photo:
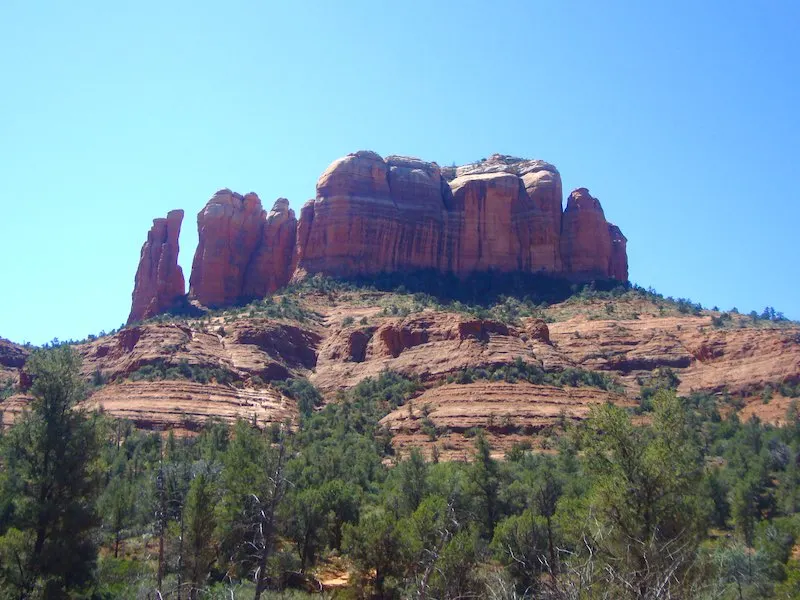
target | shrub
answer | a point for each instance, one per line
(303, 391)
(7, 388)
(161, 370)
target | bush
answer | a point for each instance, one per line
(161, 370)
(520, 370)
(7, 388)
(303, 391)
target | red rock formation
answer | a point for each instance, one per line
(585, 239)
(270, 264)
(543, 184)
(229, 230)
(501, 214)
(242, 251)
(372, 216)
(618, 265)
(487, 225)
(159, 280)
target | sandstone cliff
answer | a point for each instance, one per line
(159, 283)
(373, 215)
(243, 251)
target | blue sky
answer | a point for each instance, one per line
(681, 117)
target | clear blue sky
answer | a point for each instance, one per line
(682, 117)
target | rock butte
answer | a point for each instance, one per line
(373, 215)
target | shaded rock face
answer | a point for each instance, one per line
(585, 238)
(618, 265)
(373, 215)
(242, 251)
(159, 283)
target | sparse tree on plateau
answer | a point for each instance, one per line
(50, 456)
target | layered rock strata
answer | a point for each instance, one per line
(373, 215)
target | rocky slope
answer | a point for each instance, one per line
(373, 215)
(176, 375)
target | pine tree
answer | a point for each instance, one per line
(200, 523)
(485, 483)
(50, 454)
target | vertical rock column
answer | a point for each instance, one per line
(270, 266)
(618, 265)
(585, 239)
(242, 252)
(229, 229)
(159, 283)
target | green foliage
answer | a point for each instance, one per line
(183, 370)
(7, 388)
(520, 370)
(646, 497)
(301, 390)
(50, 458)
(484, 485)
(663, 378)
(690, 503)
(375, 545)
(200, 525)
(520, 543)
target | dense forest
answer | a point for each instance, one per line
(679, 499)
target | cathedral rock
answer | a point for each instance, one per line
(373, 215)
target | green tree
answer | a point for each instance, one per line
(520, 542)
(116, 506)
(376, 545)
(745, 506)
(412, 476)
(647, 501)
(254, 484)
(200, 523)
(307, 518)
(51, 454)
(485, 484)
(342, 504)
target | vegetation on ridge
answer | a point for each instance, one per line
(690, 503)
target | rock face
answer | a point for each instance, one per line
(159, 280)
(585, 238)
(373, 215)
(618, 267)
(242, 251)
